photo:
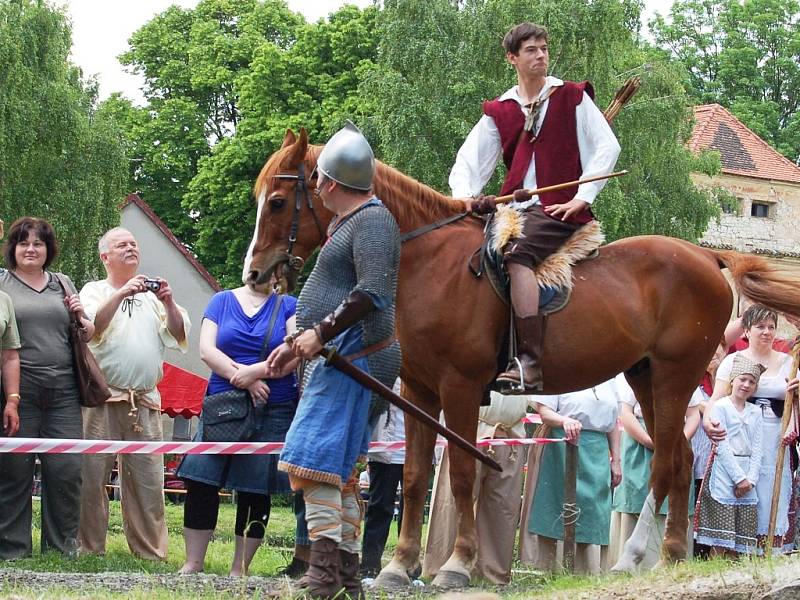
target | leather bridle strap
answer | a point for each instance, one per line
(301, 191)
(415, 233)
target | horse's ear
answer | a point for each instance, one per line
(288, 139)
(299, 148)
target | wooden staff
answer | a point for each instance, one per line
(569, 510)
(788, 405)
(560, 186)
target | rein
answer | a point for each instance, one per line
(300, 191)
(415, 233)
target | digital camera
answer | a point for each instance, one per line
(152, 284)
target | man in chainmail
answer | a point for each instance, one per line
(349, 302)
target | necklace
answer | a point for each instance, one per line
(255, 300)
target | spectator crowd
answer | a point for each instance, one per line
(733, 423)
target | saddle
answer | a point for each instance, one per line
(554, 274)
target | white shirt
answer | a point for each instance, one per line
(773, 386)
(130, 351)
(739, 454)
(504, 413)
(478, 156)
(595, 408)
(389, 428)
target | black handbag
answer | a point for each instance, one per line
(229, 416)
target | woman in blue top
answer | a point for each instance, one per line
(232, 336)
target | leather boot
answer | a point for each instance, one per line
(299, 564)
(530, 339)
(322, 578)
(348, 571)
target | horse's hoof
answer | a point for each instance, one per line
(391, 580)
(625, 564)
(450, 580)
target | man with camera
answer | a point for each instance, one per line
(136, 319)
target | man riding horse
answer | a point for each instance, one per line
(548, 131)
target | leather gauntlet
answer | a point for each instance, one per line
(352, 309)
(483, 205)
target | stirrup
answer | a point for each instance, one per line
(519, 387)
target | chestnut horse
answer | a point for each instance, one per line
(653, 307)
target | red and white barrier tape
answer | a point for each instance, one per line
(55, 446)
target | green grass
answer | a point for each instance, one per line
(271, 557)
(276, 553)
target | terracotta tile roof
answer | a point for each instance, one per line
(742, 152)
(145, 208)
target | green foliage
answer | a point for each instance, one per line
(223, 82)
(745, 56)
(60, 159)
(438, 60)
(313, 83)
(191, 60)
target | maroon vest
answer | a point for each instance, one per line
(557, 154)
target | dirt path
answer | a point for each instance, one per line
(748, 580)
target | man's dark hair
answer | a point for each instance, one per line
(519, 33)
(19, 232)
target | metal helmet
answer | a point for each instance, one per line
(348, 159)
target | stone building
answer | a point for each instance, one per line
(765, 217)
(766, 186)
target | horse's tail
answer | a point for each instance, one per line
(762, 283)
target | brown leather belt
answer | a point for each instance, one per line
(371, 349)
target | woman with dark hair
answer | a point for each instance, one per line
(760, 325)
(48, 395)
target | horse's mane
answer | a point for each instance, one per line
(412, 203)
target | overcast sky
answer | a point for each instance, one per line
(101, 28)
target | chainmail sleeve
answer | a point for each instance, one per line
(376, 254)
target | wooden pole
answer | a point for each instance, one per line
(788, 405)
(560, 186)
(570, 509)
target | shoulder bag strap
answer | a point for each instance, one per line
(65, 288)
(271, 326)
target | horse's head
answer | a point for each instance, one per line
(291, 220)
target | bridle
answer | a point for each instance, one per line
(301, 191)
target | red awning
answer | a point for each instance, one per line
(181, 392)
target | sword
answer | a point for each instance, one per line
(341, 364)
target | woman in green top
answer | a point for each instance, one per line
(49, 405)
(9, 358)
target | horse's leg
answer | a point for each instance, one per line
(672, 387)
(461, 413)
(635, 547)
(420, 441)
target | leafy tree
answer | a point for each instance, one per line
(745, 56)
(312, 83)
(191, 60)
(60, 159)
(438, 61)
